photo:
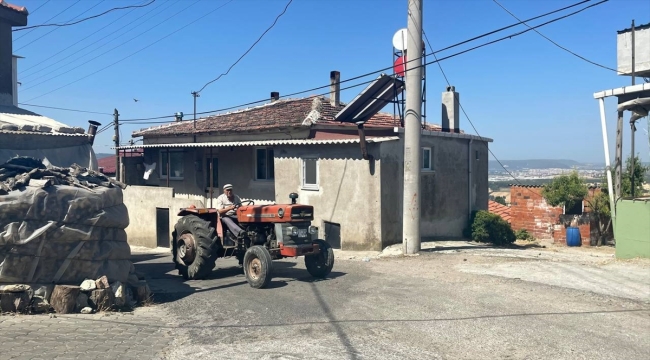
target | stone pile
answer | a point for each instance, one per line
(63, 226)
(23, 171)
(90, 296)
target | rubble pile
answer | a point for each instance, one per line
(60, 227)
(24, 171)
(87, 298)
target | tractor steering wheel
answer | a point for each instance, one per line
(239, 204)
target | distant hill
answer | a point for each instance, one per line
(535, 164)
(103, 155)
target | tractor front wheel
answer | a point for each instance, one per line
(192, 247)
(258, 266)
(320, 265)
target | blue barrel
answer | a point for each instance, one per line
(573, 236)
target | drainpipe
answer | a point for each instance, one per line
(469, 178)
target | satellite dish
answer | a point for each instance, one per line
(399, 39)
(399, 67)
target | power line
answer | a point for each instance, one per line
(388, 68)
(64, 10)
(478, 37)
(53, 30)
(85, 19)
(556, 44)
(65, 109)
(43, 4)
(144, 48)
(467, 116)
(357, 77)
(74, 53)
(250, 48)
(108, 51)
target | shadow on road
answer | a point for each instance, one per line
(167, 286)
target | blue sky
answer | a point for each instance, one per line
(534, 99)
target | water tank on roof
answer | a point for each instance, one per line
(641, 51)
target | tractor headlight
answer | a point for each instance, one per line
(291, 231)
(313, 230)
(280, 212)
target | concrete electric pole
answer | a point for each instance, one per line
(116, 117)
(412, 116)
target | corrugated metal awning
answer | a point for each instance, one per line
(261, 143)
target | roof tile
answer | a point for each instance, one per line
(499, 209)
(20, 9)
(289, 113)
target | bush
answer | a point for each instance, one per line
(523, 234)
(491, 228)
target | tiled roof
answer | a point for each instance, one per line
(107, 164)
(20, 9)
(499, 209)
(290, 113)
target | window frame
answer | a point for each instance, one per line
(430, 166)
(272, 162)
(163, 164)
(303, 163)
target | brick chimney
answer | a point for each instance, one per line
(10, 16)
(450, 113)
(335, 88)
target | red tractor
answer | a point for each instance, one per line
(271, 232)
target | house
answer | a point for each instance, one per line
(296, 145)
(26, 133)
(499, 209)
(107, 165)
(529, 210)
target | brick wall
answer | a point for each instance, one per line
(529, 210)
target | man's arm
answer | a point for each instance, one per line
(221, 208)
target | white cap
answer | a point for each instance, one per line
(227, 186)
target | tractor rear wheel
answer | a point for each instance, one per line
(320, 265)
(192, 247)
(258, 266)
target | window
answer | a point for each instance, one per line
(215, 172)
(175, 164)
(264, 164)
(427, 164)
(310, 173)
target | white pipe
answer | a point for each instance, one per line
(610, 186)
(469, 180)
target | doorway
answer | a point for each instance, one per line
(333, 234)
(162, 227)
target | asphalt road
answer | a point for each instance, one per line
(435, 306)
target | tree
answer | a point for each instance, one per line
(570, 190)
(626, 180)
(500, 199)
(565, 190)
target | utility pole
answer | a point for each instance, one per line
(633, 55)
(116, 117)
(195, 95)
(412, 123)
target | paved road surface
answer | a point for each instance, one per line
(434, 306)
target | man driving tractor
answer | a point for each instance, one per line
(226, 208)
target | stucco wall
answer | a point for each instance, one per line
(142, 201)
(447, 190)
(349, 191)
(392, 185)
(236, 166)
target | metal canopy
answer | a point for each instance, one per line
(371, 100)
